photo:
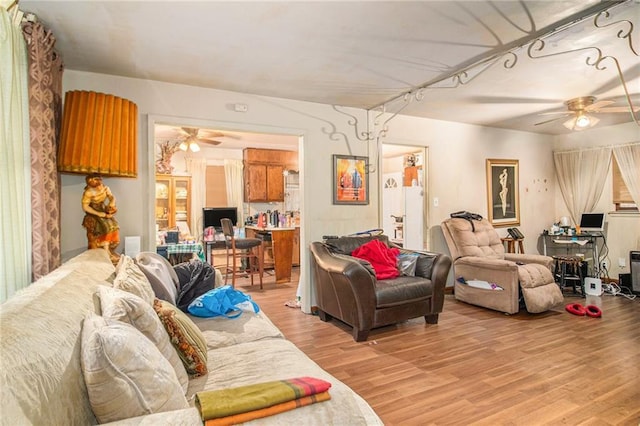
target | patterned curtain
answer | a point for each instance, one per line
(45, 116)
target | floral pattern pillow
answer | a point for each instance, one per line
(185, 336)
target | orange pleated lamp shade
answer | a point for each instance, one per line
(99, 135)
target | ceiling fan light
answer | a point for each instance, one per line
(583, 121)
(194, 147)
(183, 146)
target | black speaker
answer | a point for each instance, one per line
(624, 280)
(634, 264)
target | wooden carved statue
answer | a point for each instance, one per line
(167, 149)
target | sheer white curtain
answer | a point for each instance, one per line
(233, 176)
(628, 158)
(197, 167)
(15, 162)
(581, 176)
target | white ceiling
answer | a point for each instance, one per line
(362, 53)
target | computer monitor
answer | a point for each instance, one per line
(592, 222)
(211, 216)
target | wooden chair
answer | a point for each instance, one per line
(239, 249)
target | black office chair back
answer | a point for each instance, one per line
(227, 227)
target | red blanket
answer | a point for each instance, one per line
(383, 259)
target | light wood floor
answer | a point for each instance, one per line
(477, 366)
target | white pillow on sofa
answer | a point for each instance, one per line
(125, 374)
(161, 275)
(118, 305)
(130, 278)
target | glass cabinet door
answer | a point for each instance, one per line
(173, 201)
(163, 203)
(181, 197)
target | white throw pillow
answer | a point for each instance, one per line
(125, 374)
(119, 305)
(161, 275)
(130, 278)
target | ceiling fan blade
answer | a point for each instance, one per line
(190, 131)
(216, 134)
(209, 141)
(617, 109)
(549, 121)
(211, 133)
(556, 112)
(598, 105)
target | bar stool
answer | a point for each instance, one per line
(239, 249)
(568, 269)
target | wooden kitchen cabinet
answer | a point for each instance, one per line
(263, 173)
(173, 201)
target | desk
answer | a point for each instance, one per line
(282, 243)
(572, 242)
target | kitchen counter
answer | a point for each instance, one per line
(282, 244)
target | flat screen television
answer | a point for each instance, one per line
(592, 222)
(211, 216)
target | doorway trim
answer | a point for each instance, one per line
(148, 153)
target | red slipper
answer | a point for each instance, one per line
(593, 311)
(576, 309)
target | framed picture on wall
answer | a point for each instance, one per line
(503, 197)
(350, 180)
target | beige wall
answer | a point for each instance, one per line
(456, 161)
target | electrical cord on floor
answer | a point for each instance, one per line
(615, 290)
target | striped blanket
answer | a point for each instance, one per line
(260, 400)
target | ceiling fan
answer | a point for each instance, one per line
(582, 112)
(193, 137)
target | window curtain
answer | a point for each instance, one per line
(233, 176)
(581, 176)
(197, 167)
(15, 181)
(628, 158)
(45, 116)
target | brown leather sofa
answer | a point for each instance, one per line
(347, 288)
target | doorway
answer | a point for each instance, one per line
(219, 161)
(404, 198)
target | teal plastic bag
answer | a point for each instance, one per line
(223, 301)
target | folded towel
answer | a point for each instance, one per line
(268, 411)
(227, 402)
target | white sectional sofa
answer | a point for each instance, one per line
(41, 374)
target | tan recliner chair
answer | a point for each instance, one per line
(478, 254)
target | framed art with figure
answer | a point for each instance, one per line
(350, 180)
(503, 192)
